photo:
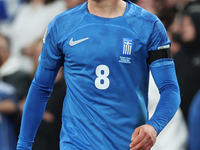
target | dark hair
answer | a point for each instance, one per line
(6, 39)
(45, 1)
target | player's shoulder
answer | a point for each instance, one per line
(70, 16)
(141, 21)
(138, 13)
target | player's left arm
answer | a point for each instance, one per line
(164, 75)
(163, 71)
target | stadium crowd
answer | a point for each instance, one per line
(22, 26)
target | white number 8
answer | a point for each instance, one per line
(102, 72)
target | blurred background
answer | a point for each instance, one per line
(22, 26)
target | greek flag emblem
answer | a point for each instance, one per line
(127, 47)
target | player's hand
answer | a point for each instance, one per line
(143, 138)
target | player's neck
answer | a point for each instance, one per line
(107, 8)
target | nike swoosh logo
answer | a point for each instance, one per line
(72, 43)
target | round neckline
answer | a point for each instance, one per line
(104, 18)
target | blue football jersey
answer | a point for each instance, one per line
(106, 72)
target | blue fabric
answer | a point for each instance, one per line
(194, 123)
(37, 97)
(106, 75)
(3, 11)
(163, 72)
(8, 138)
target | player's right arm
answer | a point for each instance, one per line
(50, 61)
(35, 105)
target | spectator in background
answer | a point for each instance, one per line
(166, 11)
(29, 25)
(175, 41)
(187, 60)
(193, 6)
(8, 108)
(11, 72)
(10, 69)
(194, 123)
(33, 51)
(8, 9)
(193, 113)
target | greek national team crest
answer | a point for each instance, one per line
(127, 50)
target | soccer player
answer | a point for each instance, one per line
(107, 48)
